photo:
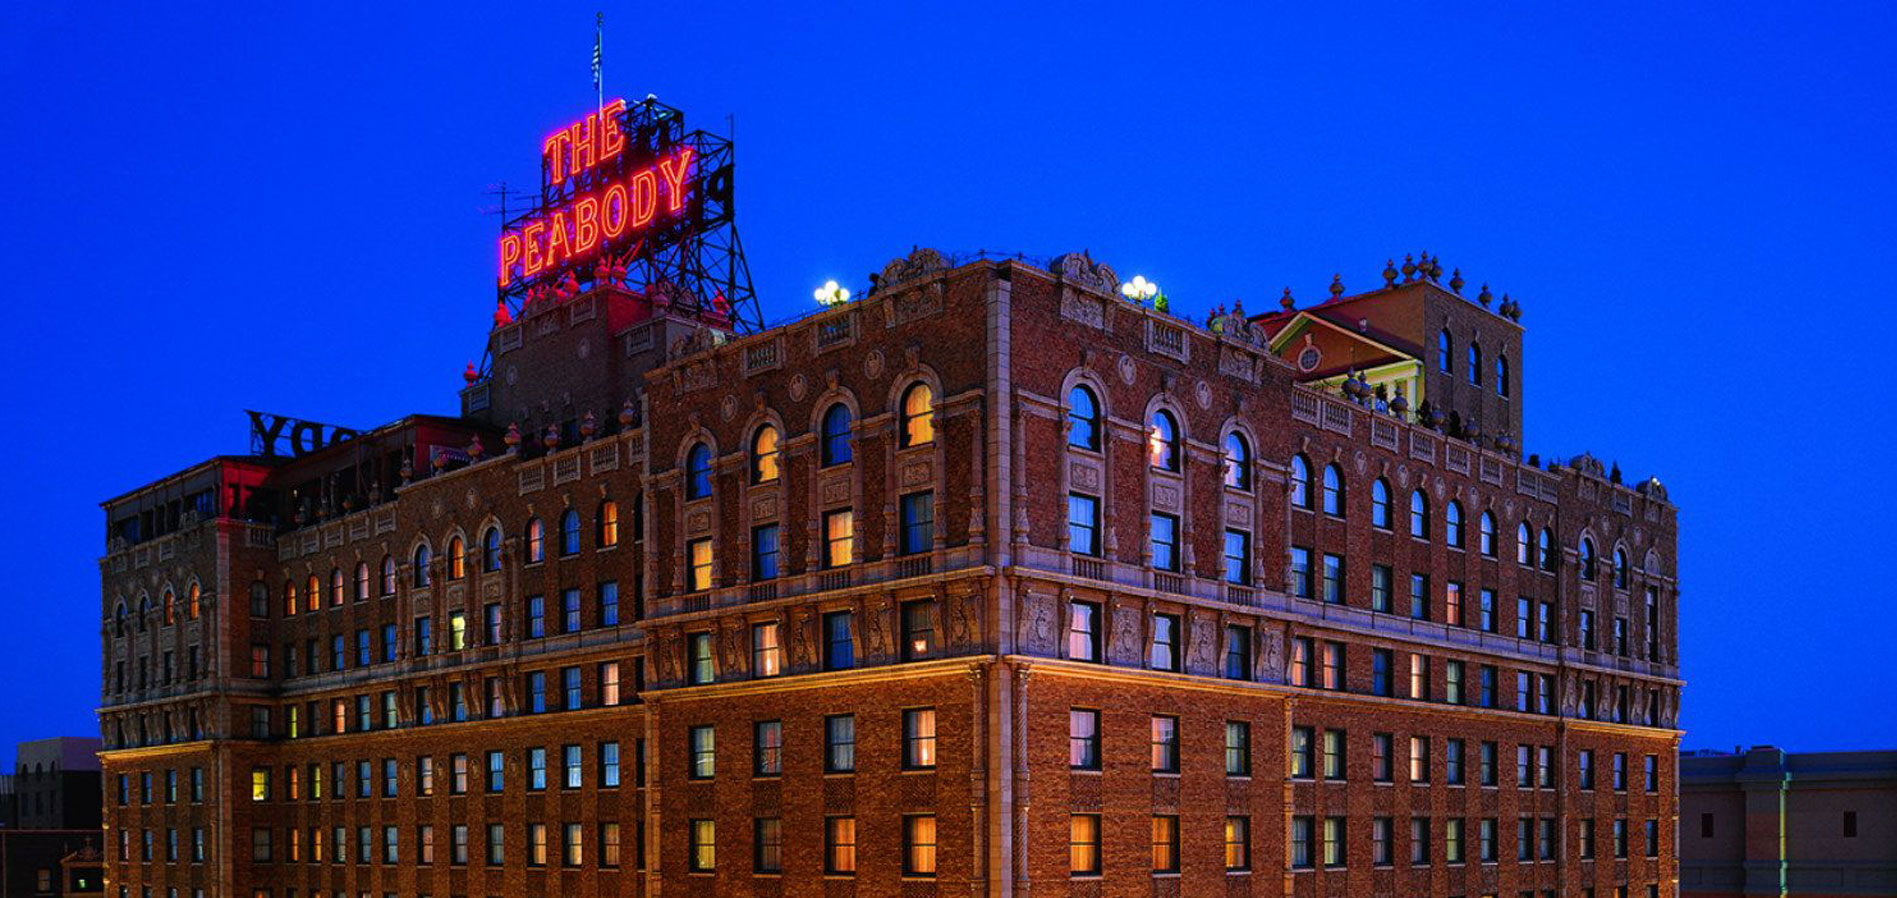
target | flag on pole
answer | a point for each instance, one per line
(599, 26)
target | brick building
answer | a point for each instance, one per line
(1773, 822)
(989, 582)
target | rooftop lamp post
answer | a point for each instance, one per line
(1139, 290)
(831, 294)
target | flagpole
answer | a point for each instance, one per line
(599, 82)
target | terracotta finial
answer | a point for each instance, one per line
(1337, 286)
(1389, 273)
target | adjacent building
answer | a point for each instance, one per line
(1771, 822)
(49, 842)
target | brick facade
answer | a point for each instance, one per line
(950, 639)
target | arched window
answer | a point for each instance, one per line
(1419, 515)
(570, 533)
(536, 541)
(764, 455)
(1237, 461)
(1334, 490)
(1485, 532)
(1452, 516)
(422, 557)
(144, 611)
(1524, 545)
(362, 581)
(313, 597)
(1380, 504)
(1083, 419)
(608, 523)
(335, 586)
(118, 619)
(698, 471)
(1475, 363)
(193, 602)
(1587, 558)
(457, 559)
(491, 549)
(1501, 374)
(1544, 549)
(170, 606)
(1444, 358)
(836, 435)
(290, 606)
(1620, 568)
(918, 415)
(388, 575)
(1300, 482)
(1163, 441)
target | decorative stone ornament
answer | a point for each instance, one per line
(1389, 273)
(476, 449)
(1455, 281)
(551, 439)
(512, 439)
(1409, 269)
(589, 426)
(628, 415)
(1286, 301)
(1484, 297)
(1337, 286)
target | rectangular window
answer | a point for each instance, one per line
(917, 525)
(1584, 762)
(1333, 754)
(571, 767)
(1419, 759)
(767, 748)
(1165, 744)
(1586, 626)
(704, 846)
(764, 553)
(698, 555)
(1452, 762)
(1333, 841)
(704, 740)
(1524, 692)
(609, 683)
(1485, 839)
(701, 667)
(1452, 841)
(536, 769)
(1544, 622)
(918, 629)
(1524, 616)
(609, 844)
(839, 846)
(1083, 631)
(1301, 572)
(1238, 557)
(536, 617)
(1237, 843)
(1419, 841)
(1165, 843)
(424, 639)
(767, 851)
(1301, 648)
(1620, 771)
(1382, 746)
(1083, 845)
(1381, 675)
(839, 743)
(1301, 833)
(1452, 683)
(918, 845)
(1083, 739)
(608, 614)
(1452, 598)
(839, 538)
(570, 696)
(570, 611)
(537, 692)
(1651, 773)
(1524, 767)
(1237, 748)
(1333, 579)
(918, 739)
(1165, 648)
(1334, 666)
(1486, 687)
(1083, 524)
(1380, 579)
(1486, 762)
(1419, 677)
(496, 771)
(839, 647)
(767, 653)
(1165, 541)
(1419, 596)
(1302, 751)
(1237, 652)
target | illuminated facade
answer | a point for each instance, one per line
(991, 581)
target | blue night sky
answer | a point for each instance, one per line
(209, 209)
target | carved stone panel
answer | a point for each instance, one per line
(1166, 496)
(1084, 474)
(965, 620)
(916, 473)
(1201, 656)
(1125, 646)
(1270, 656)
(1037, 621)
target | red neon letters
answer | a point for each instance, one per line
(589, 142)
(590, 220)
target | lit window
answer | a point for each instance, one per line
(764, 455)
(839, 846)
(536, 541)
(700, 554)
(918, 415)
(918, 845)
(918, 738)
(1083, 845)
(608, 524)
(839, 538)
(1163, 441)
